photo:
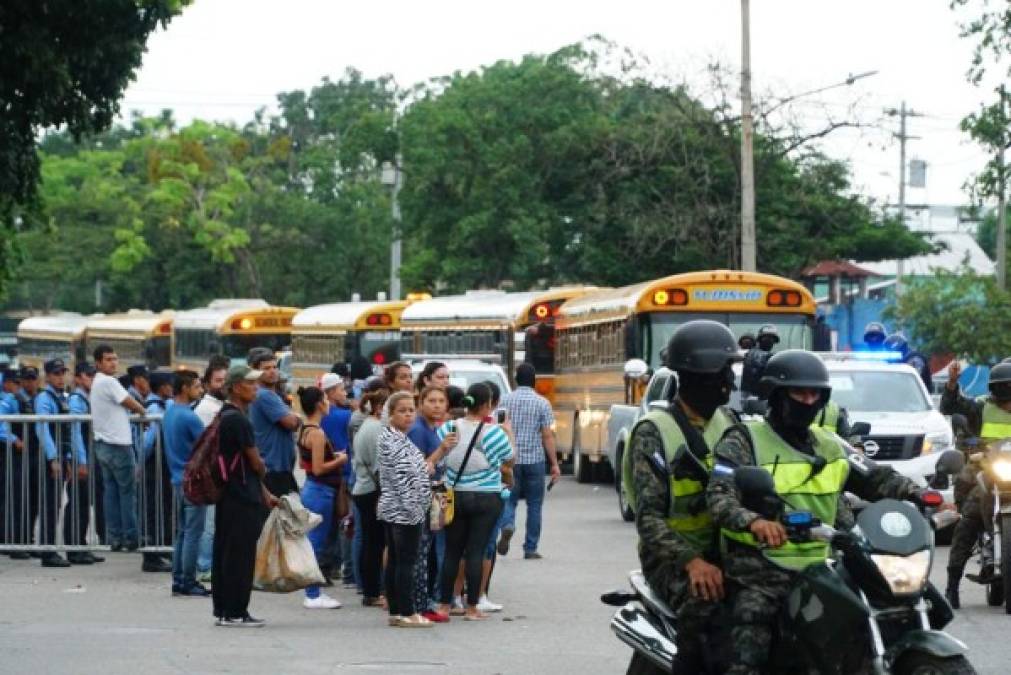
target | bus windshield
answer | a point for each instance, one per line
(794, 329)
(236, 347)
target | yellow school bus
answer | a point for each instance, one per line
(230, 327)
(54, 336)
(495, 326)
(339, 332)
(598, 332)
(138, 337)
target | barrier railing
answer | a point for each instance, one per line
(60, 505)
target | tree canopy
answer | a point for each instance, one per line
(522, 174)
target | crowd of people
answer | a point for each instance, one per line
(372, 451)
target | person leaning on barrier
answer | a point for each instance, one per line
(77, 514)
(12, 451)
(113, 443)
(670, 460)
(55, 442)
(812, 469)
(989, 419)
(157, 483)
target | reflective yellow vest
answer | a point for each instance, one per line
(791, 471)
(996, 423)
(688, 514)
(829, 417)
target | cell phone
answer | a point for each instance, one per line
(500, 416)
(551, 484)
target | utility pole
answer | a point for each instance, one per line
(748, 246)
(903, 113)
(392, 177)
(1002, 202)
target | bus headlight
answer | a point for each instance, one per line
(1002, 469)
(904, 574)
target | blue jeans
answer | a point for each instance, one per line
(357, 539)
(206, 554)
(529, 485)
(189, 530)
(319, 499)
(439, 546)
(119, 483)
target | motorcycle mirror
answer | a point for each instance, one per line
(950, 462)
(860, 429)
(617, 598)
(959, 424)
(754, 481)
(754, 406)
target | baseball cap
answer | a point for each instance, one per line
(239, 373)
(54, 366)
(258, 355)
(84, 368)
(28, 373)
(329, 381)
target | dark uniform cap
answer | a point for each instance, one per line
(137, 371)
(258, 355)
(896, 342)
(160, 378)
(54, 366)
(701, 346)
(84, 368)
(795, 368)
(28, 373)
(768, 330)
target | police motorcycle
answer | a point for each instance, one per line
(869, 609)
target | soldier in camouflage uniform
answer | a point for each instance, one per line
(989, 419)
(665, 474)
(811, 468)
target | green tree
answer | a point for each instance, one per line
(64, 62)
(986, 234)
(961, 313)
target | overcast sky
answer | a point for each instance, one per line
(223, 59)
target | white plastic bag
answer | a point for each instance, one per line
(285, 561)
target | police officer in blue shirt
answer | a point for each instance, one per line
(11, 450)
(55, 442)
(157, 481)
(24, 493)
(76, 517)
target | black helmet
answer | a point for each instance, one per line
(701, 346)
(795, 368)
(896, 342)
(874, 333)
(1001, 373)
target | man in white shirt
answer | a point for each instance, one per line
(110, 428)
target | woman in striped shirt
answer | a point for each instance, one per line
(477, 486)
(404, 499)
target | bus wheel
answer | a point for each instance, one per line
(582, 469)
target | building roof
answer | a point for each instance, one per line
(961, 248)
(836, 268)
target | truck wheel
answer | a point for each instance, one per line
(995, 593)
(919, 663)
(627, 514)
(582, 469)
(640, 665)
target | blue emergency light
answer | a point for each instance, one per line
(881, 357)
(799, 518)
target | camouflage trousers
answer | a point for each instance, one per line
(977, 516)
(758, 590)
(693, 616)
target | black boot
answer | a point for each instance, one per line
(951, 592)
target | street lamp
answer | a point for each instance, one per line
(393, 178)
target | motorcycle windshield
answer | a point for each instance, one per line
(894, 528)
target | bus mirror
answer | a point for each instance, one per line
(631, 339)
(636, 369)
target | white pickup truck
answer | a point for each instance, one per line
(623, 417)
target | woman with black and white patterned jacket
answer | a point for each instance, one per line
(404, 499)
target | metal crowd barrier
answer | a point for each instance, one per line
(42, 510)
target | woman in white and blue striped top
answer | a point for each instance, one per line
(477, 485)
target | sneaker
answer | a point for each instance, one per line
(245, 622)
(194, 591)
(204, 577)
(503, 542)
(322, 602)
(486, 605)
(532, 555)
(54, 560)
(457, 608)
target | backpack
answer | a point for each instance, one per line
(206, 474)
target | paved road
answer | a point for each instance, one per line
(113, 619)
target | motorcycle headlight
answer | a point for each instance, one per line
(904, 574)
(1002, 469)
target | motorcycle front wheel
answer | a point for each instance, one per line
(640, 665)
(919, 663)
(1005, 560)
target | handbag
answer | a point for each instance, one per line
(443, 507)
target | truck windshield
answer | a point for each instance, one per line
(878, 392)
